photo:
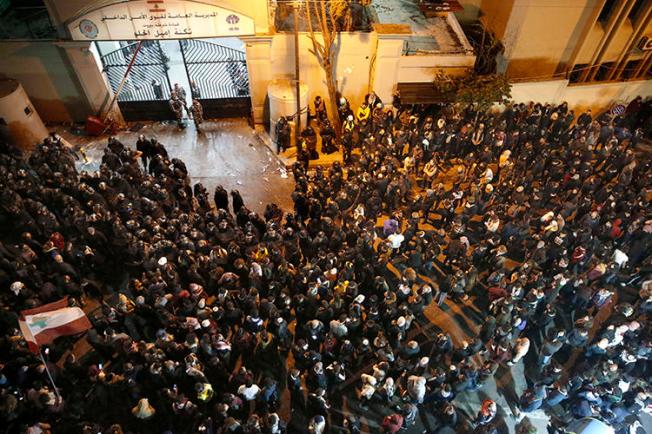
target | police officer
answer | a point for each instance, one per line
(327, 133)
(348, 128)
(282, 134)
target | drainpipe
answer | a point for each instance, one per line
(614, 23)
(642, 22)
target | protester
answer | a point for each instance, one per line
(196, 308)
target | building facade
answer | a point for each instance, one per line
(582, 40)
(68, 77)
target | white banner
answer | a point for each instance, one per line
(160, 19)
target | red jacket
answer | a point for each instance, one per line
(392, 423)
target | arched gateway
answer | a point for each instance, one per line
(167, 33)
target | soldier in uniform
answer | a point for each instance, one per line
(177, 108)
(197, 112)
(181, 94)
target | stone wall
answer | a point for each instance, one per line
(596, 96)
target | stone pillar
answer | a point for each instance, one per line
(260, 72)
(90, 77)
(387, 64)
(20, 124)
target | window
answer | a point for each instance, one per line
(605, 13)
(630, 68)
(603, 71)
(576, 73)
(633, 13)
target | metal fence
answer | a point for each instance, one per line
(215, 71)
(148, 79)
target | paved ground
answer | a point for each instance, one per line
(231, 154)
(228, 152)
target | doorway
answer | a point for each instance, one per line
(211, 70)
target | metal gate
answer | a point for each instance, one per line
(146, 92)
(218, 78)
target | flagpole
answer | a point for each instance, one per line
(56, 391)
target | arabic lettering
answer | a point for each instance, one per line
(162, 24)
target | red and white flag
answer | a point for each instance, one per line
(43, 324)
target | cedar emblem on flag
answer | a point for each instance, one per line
(42, 325)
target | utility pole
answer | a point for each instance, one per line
(295, 7)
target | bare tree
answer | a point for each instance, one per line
(344, 12)
(325, 48)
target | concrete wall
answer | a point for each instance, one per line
(364, 62)
(87, 68)
(47, 76)
(419, 69)
(547, 36)
(259, 51)
(64, 10)
(581, 96)
(541, 35)
(387, 65)
(502, 18)
(354, 55)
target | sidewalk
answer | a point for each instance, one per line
(290, 155)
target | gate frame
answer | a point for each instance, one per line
(146, 109)
(215, 108)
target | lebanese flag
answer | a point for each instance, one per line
(43, 324)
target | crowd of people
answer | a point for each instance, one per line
(206, 314)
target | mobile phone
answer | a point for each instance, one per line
(100, 366)
(47, 351)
